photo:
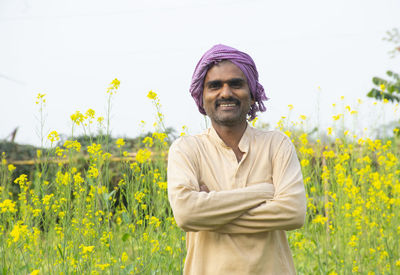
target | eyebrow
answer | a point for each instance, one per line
(229, 81)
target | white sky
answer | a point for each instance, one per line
(71, 50)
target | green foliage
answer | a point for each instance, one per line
(386, 89)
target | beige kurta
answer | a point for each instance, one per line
(239, 226)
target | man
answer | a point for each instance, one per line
(234, 189)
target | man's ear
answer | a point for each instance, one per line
(252, 99)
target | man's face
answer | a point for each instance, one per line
(226, 94)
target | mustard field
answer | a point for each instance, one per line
(81, 212)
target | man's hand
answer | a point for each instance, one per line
(203, 188)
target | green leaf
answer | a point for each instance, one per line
(60, 251)
(125, 237)
(378, 81)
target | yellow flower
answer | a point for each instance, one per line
(77, 118)
(93, 172)
(319, 219)
(162, 184)
(34, 272)
(21, 180)
(124, 257)
(330, 131)
(383, 87)
(337, 117)
(102, 266)
(328, 154)
(59, 151)
(148, 141)
(94, 149)
(303, 117)
(101, 190)
(113, 87)
(152, 95)
(40, 98)
(53, 136)
(120, 142)
(290, 106)
(143, 155)
(19, 230)
(69, 144)
(162, 136)
(107, 156)
(288, 133)
(353, 241)
(90, 113)
(253, 122)
(139, 196)
(7, 206)
(304, 162)
(46, 199)
(87, 249)
(11, 167)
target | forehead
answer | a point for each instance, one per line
(224, 70)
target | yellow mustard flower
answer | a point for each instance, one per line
(53, 136)
(120, 142)
(148, 141)
(90, 113)
(77, 118)
(152, 95)
(143, 155)
(319, 219)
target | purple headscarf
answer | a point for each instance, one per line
(217, 54)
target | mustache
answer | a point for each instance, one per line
(228, 100)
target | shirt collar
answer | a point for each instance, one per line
(243, 143)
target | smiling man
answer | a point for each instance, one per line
(234, 189)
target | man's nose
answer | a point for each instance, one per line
(226, 91)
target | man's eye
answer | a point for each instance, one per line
(214, 85)
(236, 84)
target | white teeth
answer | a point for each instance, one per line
(228, 105)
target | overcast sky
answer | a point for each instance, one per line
(71, 50)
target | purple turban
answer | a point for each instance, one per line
(217, 54)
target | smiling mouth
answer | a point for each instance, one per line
(227, 104)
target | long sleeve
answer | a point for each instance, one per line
(200, 211)
(287, 209)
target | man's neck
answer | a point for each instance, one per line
(230, 135)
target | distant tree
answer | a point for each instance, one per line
(388, 88)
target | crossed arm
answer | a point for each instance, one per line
(257, 208)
